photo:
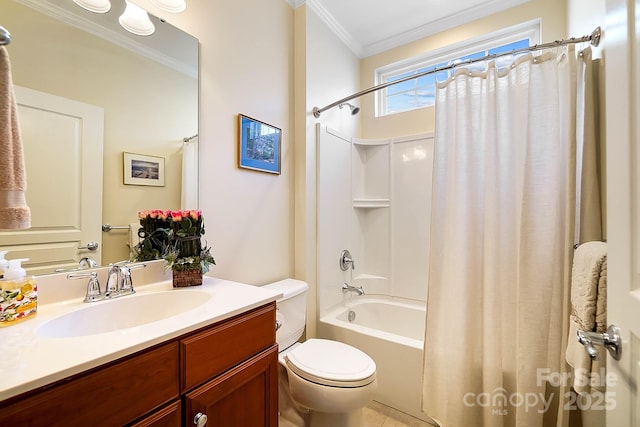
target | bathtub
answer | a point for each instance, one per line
(391, 331)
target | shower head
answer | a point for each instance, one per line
(354, 110)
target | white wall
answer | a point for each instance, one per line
(246, 66)
(583, 16)
(374, 198)
(334, 216)
(326, 70)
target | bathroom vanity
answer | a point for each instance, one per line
(215, 364)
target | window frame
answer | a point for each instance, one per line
(527, 30)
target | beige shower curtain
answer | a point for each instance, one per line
(189, 195)
(502, 236)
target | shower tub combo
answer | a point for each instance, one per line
(391, 331)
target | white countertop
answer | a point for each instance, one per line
(28, 360)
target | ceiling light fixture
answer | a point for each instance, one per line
(96, 6)
(136, 20)
(173, 6)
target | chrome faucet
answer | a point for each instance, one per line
(93, 287)
(87, 262)
(355, 289)
(119, 282)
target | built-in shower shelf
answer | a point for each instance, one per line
(368, 277)
(370, 203)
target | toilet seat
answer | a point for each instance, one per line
(331, 363)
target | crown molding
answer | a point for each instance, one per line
(317, 6)
(409, 36)
(439, 25)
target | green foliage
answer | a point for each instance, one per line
(202, 262)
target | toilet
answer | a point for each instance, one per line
(322, 383)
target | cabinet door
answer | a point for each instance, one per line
(246, 395)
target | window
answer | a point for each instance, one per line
(420, 92)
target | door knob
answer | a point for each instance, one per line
(610, 340)
(92, 246)
(200, 419)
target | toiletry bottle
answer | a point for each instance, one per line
(4, 264)
(18, 294)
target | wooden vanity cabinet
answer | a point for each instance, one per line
(111, 395)
(227, 371)
(167, 416)
(235, 390)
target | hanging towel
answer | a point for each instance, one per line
(588, 313)
(133, 239)
(14, 212)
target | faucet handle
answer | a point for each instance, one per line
(93, 287)
(126, 280)
(112, 287)
(126, 283)
(346, 260)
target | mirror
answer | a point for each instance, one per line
(147, 88)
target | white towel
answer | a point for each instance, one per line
(588, 313)
(14, 212)
(133, 239)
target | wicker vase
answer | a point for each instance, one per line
(183, 278)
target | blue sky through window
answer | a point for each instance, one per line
(420, 92)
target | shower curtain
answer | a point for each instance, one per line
(502, 236)
(189, 197)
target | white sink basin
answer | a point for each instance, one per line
(122, 313)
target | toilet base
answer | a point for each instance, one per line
(340, 419)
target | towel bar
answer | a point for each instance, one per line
(610, 340)
(108, 227)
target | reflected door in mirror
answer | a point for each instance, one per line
(62, 141)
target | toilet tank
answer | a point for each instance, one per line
(291, 310)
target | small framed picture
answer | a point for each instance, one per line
(259, 145)
(143, 170)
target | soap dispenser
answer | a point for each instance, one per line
(18, 294)
(4, 264)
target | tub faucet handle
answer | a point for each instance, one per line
(346, 260)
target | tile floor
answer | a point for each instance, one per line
(379, 415)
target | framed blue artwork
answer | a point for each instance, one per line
(259, 145)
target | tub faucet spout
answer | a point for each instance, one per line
(355, 289)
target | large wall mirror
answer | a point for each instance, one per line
(134, 94)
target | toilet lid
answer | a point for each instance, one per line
(331, 363)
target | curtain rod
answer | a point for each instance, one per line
(189, 138)
(594, 38)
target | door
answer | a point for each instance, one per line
(621, 39)
(62, 142)
(246, 395)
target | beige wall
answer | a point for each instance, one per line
(55, 58)
(551, 12)
(246, 66)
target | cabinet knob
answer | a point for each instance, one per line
(200, 419)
